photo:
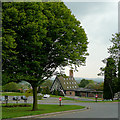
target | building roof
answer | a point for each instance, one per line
(87, 90)
(67, 82)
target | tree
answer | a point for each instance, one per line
(11, 87)
(114, 51)
(109, 79)
(47, 83)
(119, 75)
(83, 83)
(46, 90)
(40, 37)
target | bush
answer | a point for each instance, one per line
(46, 90)
(11, 87)
(17, 105)
(58, 93)
(39, 97)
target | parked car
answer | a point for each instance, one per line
(23, 97)
(16, 98)
(2, 98)
(46, 96)
(117, 96)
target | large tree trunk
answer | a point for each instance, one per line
(34, 98)
(111, 91)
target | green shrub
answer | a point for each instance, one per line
(17, 105)
(39, 97)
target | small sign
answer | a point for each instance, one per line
(60, 99)
(96, 96)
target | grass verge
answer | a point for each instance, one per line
(12, 93)
(97, 101)
(12, 112)
(63, 98)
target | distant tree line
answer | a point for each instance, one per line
(90, 84)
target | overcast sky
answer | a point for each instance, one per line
(100, 21)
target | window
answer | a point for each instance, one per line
(64, 78)
(75, 82)
(73, 86)
(64, 82)
(70, 86)
(67, 82)
(70, 82)
(67, 87)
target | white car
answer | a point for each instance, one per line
(2, 98)
(46, 96)
(40, 94)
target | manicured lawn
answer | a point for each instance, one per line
(91, 98)
(56, 96)
(12, 112)
(63, 98)
(12, 93)
(97, 101)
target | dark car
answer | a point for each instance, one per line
(16, 98)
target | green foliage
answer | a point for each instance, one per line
(39, 97)
(46, 90)
(38, 37)
(17, 105)
(11, 87)
(43, 37)
(13, 94)
(47, 83)
(90, 86)
(95, 86)
(55, 92)
(119, 75)
(112, 69)
(84, 83)
(39, 89)
(28, 92)
(99, 87)
(24, 85)
(42, 109)
(114, 51)
(109, 80)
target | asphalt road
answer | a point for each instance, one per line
(97, 110)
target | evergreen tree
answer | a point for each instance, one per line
(119, 75)
(114, 51)
(109, 79)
